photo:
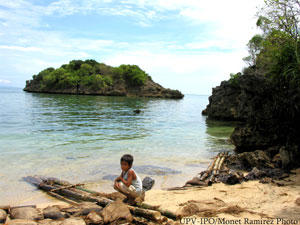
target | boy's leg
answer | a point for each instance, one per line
(128, 191)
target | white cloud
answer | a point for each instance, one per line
(191, 73)
(20, 48)
(5, 82)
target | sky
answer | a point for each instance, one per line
(189, 45)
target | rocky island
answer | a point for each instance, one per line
(92, 78)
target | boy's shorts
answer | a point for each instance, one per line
(131, 190)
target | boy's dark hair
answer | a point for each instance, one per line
(127, 158)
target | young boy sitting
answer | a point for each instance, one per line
(129, 182)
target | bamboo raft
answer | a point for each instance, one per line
(75, 193)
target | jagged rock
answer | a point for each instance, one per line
(268, 117)
(52, 213)
(235, 100)
(231, 178)
(116, 211)
(94, 218)
(289, 156)
(3, 216)
(21, 222)
(248, 160)
(28, 213)
(73, 221)
(256, 174)
(247, 138)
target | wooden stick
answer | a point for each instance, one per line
(209, 169)
(146, 213)
(163, 212)
(66, 187)
(60, 197)
(215, 167)
(220, 164)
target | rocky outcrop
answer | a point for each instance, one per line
(236, 99)
(266, 122)
(150, 89)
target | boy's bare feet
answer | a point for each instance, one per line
(141, 198)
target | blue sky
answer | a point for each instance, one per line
(190, 45)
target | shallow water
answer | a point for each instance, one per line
(81, 139)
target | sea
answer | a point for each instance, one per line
(81, 138)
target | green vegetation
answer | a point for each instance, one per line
(275, 54)
(89, 74)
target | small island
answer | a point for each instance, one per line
(92, 78)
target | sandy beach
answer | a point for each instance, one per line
(247, 203)
(249, 200)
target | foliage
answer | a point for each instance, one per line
(89, 74)
(133, 75)
(234, 77)
(276, 55)
(254, 47)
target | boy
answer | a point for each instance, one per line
(129, 182)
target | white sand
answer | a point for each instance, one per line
(253, 197)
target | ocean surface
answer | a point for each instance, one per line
(81, 139)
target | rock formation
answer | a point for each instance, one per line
(264, 123)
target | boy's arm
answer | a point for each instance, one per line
(119, 177)
(128, 182)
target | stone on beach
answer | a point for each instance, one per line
(94, 218)
(115, 211)
(26, 213)
(73, 221)
(21, 222)
(3, 216)
(52, 212)
(50, 222)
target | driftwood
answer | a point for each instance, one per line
(66, 191)
(218, 165)
(211, 175)
(208, 171)
(146, 213)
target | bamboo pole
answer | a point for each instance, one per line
(221, 163)
(214, 171)
(146, 213)
(209, 169)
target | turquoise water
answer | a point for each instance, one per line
(81, 139)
